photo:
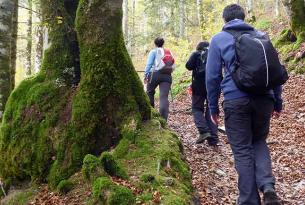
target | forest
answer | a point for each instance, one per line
(76, 126)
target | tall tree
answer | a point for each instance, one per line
(7, 9)
(49, 130)
(277, 8)
(126, 20)
(296, 13)
(14, 42)
(182, 14)
(28, 64)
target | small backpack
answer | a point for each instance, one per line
(203, 61)
(164, 62)
(257, 67)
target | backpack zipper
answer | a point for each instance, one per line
(267, 66)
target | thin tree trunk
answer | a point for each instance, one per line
(250, 6)
(182, 18)
(28, 64)
(277, 8)
(39, 44)
(125, 21)
(6, 22)
(14, 43)
(199, 5)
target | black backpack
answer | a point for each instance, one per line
(257, 67)
(201, 63)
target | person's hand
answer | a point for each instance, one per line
(276, 114)
(145, 80)
(215, 119)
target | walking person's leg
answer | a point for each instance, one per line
(213, 140)
(263, 108)
(238, 123)
(164, 102)
(199, 119)
(151, 87)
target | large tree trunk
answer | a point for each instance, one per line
(48, 127)
(277, 8)
(6, 22)
(28, 63)
(296, 13)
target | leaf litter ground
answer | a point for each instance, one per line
(214, 176)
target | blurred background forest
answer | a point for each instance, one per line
(183, 23)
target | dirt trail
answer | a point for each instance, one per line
(214, 176)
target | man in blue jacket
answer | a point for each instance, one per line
(247, 117)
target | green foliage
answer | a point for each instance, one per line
(65, 186)
(112, 167)
(263, 24)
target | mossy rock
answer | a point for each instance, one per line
(65, 186)
(147, 178)
(92, 168)
(111, 166)
(107, 193)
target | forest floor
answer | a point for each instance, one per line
(214, 176)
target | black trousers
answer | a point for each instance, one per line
(202, 118)
(164, 82)
(247, 122)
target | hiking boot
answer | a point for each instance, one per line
(270, 198)
(203, 137)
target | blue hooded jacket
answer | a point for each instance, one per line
(222, 54)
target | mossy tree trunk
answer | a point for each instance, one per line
(49, 127)
(296, 13)
(6, 19)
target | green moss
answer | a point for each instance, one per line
(22, 197)
(92, 168)
(121, 195)
(106, 192)
(147, 158)
(101, 187)
(112, 167)
(65, 186)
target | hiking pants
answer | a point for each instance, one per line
(247, 122)
(164, 82)
(202, 118)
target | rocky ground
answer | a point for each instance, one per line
(214, 176)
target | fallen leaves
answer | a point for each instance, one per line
(214, 176)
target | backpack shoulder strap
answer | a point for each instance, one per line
(237, 34)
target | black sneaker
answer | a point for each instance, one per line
(270, 198)
(203, 137)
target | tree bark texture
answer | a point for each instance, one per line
(14, 43)
(296, 12)
(48, 126)
(28, 64)
(6, 31)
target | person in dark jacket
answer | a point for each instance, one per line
(247, 116)
(197, 64)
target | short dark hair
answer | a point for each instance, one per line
(202, 45)
(233, 11)
(159, 42)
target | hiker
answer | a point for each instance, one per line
(159, 67)
(252, 91)
(201, 114)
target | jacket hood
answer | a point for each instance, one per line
(238, 24)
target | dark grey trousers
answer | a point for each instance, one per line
(202, 118)
(247, 122)
(164, 82)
